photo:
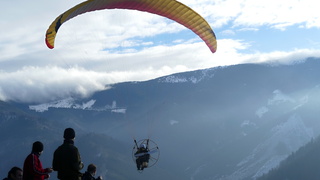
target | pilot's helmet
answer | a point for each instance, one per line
(143, 146)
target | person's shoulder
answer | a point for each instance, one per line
(71, 147)
(66, 147)
(28, 158)
(59, 147)
(86, 176)
(86, 173)
(29, 155)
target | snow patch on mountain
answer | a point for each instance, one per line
(277, 99)
(71, 103)
(64, 103)
(302, 101)
(173, 122)
(119, 110)
(207, 73)
(197, 171)
(280, 97)
(173, 79)
(248, 124)
(261, 111)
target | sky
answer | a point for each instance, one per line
(112, 46)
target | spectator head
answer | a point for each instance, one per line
(69, 133)
(15, 173)
(92, 168)
(37, 147)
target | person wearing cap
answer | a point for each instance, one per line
(32, 167)
(90, 173)
(66, 158)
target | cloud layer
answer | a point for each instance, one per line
(107, 47)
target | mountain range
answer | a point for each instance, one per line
(228, 123)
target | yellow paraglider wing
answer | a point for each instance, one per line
(171, 9)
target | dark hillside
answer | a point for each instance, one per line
(302, 164)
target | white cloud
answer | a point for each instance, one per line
(34, 84)
(41, 84)
(228, 32)
(278, 14)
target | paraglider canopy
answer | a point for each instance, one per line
(171, 9)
